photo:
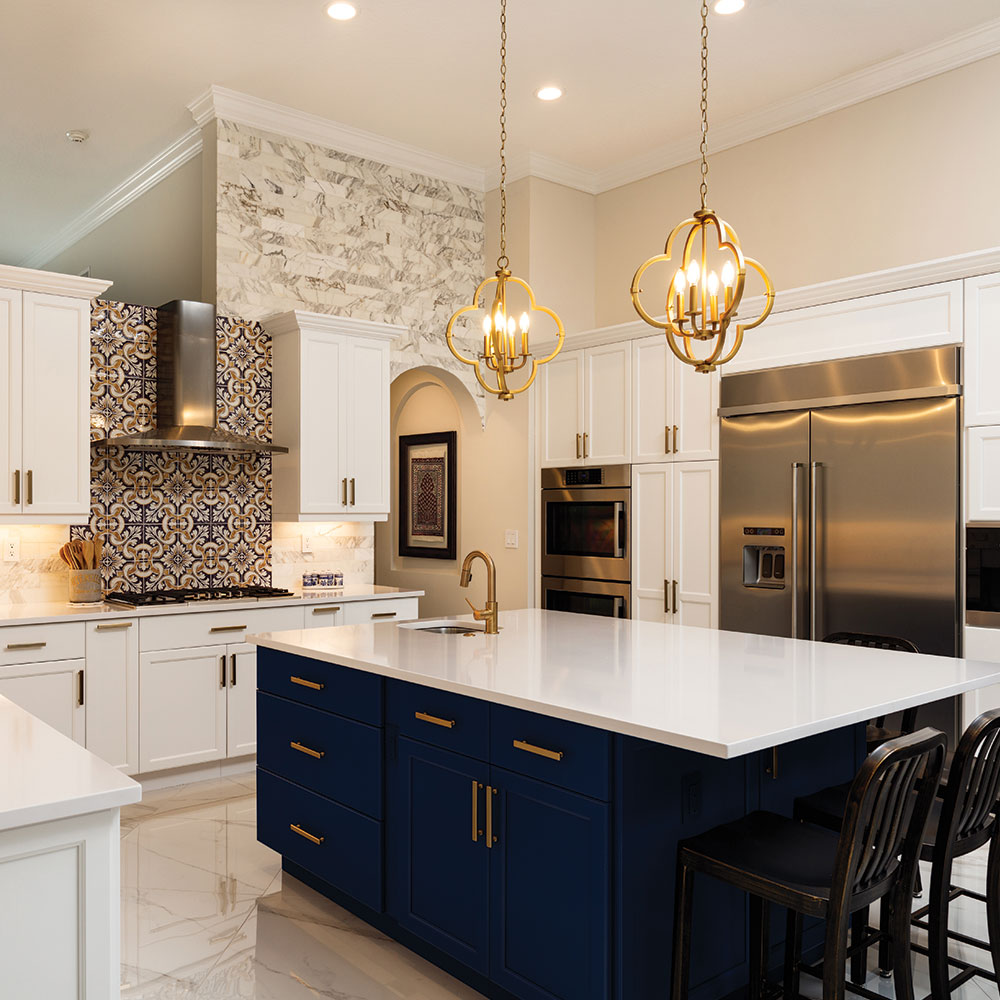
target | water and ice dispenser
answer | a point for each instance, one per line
(764, 562)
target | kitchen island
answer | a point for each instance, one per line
(509, 806)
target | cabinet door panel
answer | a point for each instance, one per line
(549, 891)
(561, 410)
(56, 405)
(323, 424)
(982, 350)
(983, 471)
(696, 414)
(112, 700)
(437, 876)
(652, 403)
(608, 391)
(241, 699)
(368, 428)
(10, 397)
(652, 500)
(50, 691)
(695, 543)
(182, 707)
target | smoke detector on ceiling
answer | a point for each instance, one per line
(78, 135)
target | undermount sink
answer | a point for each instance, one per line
(446, 626)
(449, 629)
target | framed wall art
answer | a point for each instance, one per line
(427, 495)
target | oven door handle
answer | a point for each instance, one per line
(619, 532)
(619, 607)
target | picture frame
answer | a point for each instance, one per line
(428, 493)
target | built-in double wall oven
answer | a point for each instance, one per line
(586, 546)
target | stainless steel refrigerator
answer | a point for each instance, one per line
(840, 499)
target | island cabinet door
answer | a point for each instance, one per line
(549, 891)
(437, 862)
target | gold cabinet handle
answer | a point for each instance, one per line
(31, 487)
(232, 669)
(675, 596)
(772, 770)
(490, 838)
(311, 837)
(17, 486)
(114, 627)
(384, 614)
(540, 751)
(302, 682)
(354, 498)
(222, 671)
(326, 611)
(227, 628)
(476, 832)
(434, 720)
(79, 687)
(578, 455)
(666, 440)
(585, 436)
(302, 748)
(666, 597)
(675, 439)
(25, 645)
(343, 487)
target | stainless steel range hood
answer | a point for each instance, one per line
(185, 387)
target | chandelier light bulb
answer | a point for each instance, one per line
(728, 274)
(693, 272)
(487, 325)
(713, 283)
(680, 282)
(525, 322)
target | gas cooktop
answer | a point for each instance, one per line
(158, 598)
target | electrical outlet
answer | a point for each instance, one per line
(11, 549)
(307, 545)
(510, 538)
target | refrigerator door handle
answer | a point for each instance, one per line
(813, 503)
(795, 548)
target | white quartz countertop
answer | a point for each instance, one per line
(46, 776)
(719, 693)
(41, 614)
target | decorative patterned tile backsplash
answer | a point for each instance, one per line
(175, 519)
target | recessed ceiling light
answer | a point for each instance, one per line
(550, 93)
(341, 11)
(728, 6)
(78, 135)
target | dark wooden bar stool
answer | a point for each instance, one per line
(963, 819)
(815, 872)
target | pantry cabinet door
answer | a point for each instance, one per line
(560, 421)
(182, 707)
(652, 500)
(695, 543)
(10, 399)
(367, 391)
(982, 350)
(696, 414)
(608, 426)
(112, 700)
(56, 406)
(652, 400)
(241, 727)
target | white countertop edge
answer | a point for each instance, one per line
(48, 812)
(682, 741)
(110, 612)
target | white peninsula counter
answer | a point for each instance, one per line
(59, 863)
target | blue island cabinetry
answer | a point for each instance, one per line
(529, 856)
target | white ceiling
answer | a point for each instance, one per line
(423, 73)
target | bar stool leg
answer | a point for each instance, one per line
(683, 907)
(835, 958)
(859, 960)
(899, 927)
(937, 935)
(793, 955)
(759, 918)
(885, 939)
(993, 898)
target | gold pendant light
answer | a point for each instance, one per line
(505, 339)
(702, 302)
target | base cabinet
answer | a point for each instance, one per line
(112, 695)
(53, 691)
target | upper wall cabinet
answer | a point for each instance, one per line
(584, 407)
(674, 408)
(331, 410)
(45, 396)
(982, 350)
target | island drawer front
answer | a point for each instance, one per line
(214, 628)
(424, 714)
(335, 757)
(352, 693)
(350, 853)
(41, 643)
(585, 762)
(399, 609)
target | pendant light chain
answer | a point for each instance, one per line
(502, 260)
(704, 103)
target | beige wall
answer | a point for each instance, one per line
(494, 493)
(152, 248)
(903, 178)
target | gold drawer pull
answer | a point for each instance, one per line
(227, 628)
(302, 682)
(114, 627)
(25, 645)
(311, 837)
(384, 614)
(424, 717)
(540, 751)
(326, 611)
(318, 754)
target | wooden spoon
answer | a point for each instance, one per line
(88, 554)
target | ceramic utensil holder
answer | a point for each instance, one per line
(84, 586)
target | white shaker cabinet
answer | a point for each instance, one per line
(241, 700)
(981, 644)
(112, 692)
(53, 691)
(983, 474)
(674, 409)
(584, 407)
(331, 410)
(982, 350)
(675, 543)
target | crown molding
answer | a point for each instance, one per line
(147, 176)
(297, 319)
(29, 280)
(546, 168)
(230, 105)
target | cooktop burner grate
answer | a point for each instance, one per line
(156, 598)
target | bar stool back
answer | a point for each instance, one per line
(812, 871)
